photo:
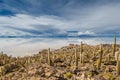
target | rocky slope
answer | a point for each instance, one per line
(72, 62)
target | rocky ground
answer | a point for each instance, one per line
(65, 63)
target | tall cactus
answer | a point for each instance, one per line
(76, 59)
(83, 57)
(108, 58)
(41, 57)
(81, 54)
(94, 53)
(49, 62)
(100, 57)
(118, 65)
(114, 45)
(53, 54)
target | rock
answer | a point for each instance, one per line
(100, 78)
(21, 70)
(32, 72)
(108, 69)
(48, 74)
(83, 76)
(75, 71)
(84, 68)
(35, 78)
(58, 60)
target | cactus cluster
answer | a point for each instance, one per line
(81, 57)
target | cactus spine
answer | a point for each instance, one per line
(114, 45)
(118, 65)
(76, 59)
(100, 57)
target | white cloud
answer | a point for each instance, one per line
(86, 32)
(28, 22)
(25, 21)
(95, 19)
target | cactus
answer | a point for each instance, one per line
(41, 57)
(81, 54)
(49, 62)
(108, 58)
(80, 58)
(94, 54)
(100, 57)
(83, 58)
(114, 45)
(2, 70)
(118, 65)
(76, 59)
(116, 55)
(53, 54)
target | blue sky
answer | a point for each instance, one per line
(59, 17)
